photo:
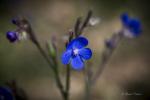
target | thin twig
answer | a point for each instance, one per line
(86, 21)
(87, 75)
(67, 82)
(55, 70)
(51, 62)
(77, 27)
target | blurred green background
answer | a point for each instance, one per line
(128, 70)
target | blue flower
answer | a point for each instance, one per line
(131, 25)
(6, 94)
(76, 53)
(12, 36)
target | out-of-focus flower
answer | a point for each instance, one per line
(131, 26)
(6, 93)
(76, 53)
(94, 21)
(20, 33)
(12, 36)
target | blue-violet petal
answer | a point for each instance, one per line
(79, 42)
(77, 63)
(85, 53)
(66, 56)
(125, 18)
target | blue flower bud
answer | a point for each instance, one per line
(14, 21)
(12, 36)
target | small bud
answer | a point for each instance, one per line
(21, 22)
(17, 21)
(51, 49)
(12, 36)
(14, 21)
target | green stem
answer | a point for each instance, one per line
(53, 66)
(52, 62)
(88, 75)
(87, 89)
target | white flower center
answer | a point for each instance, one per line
(75, 51)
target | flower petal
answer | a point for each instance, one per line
(135, 27)
(86, 53)
(77, 63)
(66, 57)
(125, 19)
(79, 42)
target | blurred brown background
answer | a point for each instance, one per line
(128, 70)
